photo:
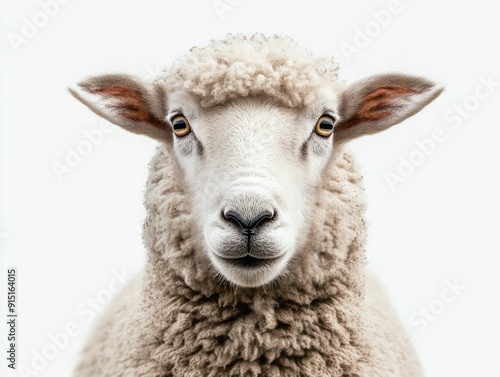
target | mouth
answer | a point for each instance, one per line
(248, 262)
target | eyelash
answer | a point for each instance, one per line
(173, 114)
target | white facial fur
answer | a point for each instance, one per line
(251, 156)
(251, 166)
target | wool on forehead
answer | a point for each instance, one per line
(241, 66)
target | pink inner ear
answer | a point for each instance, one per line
(375, 105)
(378, 104)
(130, 103)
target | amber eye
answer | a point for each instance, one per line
(324, 125)
(180, 125)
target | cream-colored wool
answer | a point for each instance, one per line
(325, 316)
(180, 320)
(241, 66)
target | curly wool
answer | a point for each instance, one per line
(208, 328)
(241, 66)
(320, 319)
(180, 320)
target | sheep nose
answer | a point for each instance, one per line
(248, 226)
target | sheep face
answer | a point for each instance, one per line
(252, 164)
(251, 167)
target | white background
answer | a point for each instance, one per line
(66, 237)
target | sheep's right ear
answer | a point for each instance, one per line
(127, 101)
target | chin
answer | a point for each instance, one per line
(250, 272)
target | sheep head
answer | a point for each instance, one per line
(252, 157)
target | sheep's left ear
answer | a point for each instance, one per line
(378, 102)
(127, 101)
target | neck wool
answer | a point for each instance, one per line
(307, 323)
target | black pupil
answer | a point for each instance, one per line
(326, 125)
(179, 125)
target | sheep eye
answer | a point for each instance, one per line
(181, 125)
(324, 125)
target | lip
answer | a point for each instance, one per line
(248, 262)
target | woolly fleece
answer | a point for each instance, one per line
(241, 66)
(178, 319)
(323, 318)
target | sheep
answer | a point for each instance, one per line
(255, 229)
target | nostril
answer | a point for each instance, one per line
(248, 227)
(234, 217)
(261, 218)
